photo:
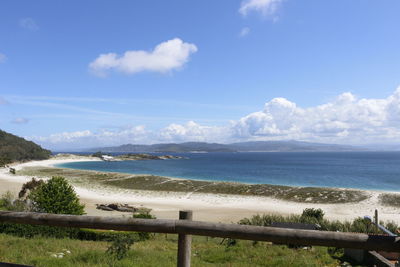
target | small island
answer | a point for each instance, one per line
(134, 156)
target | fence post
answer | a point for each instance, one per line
(184, 241)
(376, 222)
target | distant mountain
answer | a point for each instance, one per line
(14, 148)
(257, 146)
(290, 146)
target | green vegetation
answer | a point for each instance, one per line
(159, 251)
(389, 199)
(14, 148)
(120, 247)
(158, 183)
(318, 214)
(98, 154)
(315, 216)
(56, 196)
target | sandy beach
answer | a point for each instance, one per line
(206, 207)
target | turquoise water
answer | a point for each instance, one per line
(362, 170)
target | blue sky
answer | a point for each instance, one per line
(87, 73)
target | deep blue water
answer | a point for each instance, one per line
(362, 170)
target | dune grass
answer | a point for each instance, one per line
(389, 199)
(158, 183)
(159, 251)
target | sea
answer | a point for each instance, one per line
(359, 170)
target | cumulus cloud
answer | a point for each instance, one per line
(165, 57)
(346, 119)
(245, 31)
(3, 58)
(29, 24)
(191, 131)
(20, 120)
(267, 8)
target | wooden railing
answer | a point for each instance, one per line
(185, 228)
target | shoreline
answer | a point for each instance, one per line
(206, 206)
(321, 187)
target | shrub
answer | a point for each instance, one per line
(56, 196)
(53, 196)
(313, 213)
(144, 214)
(98, 154)
(8, 202)
(105, 235)
(28, 187)
(120, 247)
(30, 231)
(358, 225)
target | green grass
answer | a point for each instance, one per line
(158, 183)
(160, 251)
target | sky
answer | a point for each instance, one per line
(79, 74)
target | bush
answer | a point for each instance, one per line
(30, 231)
(105, 235)
(120, 247)
(8, 202)
(56, 196)
(29, 187)
(315, 216)
(313, 213)
(144, 214)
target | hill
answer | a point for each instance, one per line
(258, 146)
(14, 148)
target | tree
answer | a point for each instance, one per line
(56, 196)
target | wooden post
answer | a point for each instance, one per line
(184, 241)
(376, 222)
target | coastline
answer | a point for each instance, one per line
(206, 206)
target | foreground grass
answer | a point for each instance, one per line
(159, 251)
(158, 183)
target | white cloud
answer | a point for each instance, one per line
(245, 31)
(267, 8)
(191, 131)
(3, 101)
(20, 120)
(29, 24)
(3, 58)
(165, 57)
(87, 138)
(346, 120)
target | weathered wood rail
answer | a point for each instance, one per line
(185, 227)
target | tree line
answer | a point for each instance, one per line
(14, 148)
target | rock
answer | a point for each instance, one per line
(116, 207)
(103, 207)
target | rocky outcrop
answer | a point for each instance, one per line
(143, 156)
(116, 207)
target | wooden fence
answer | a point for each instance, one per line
(185, 227)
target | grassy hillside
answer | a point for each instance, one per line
(14, 148)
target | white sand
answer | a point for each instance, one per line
(206, 207)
